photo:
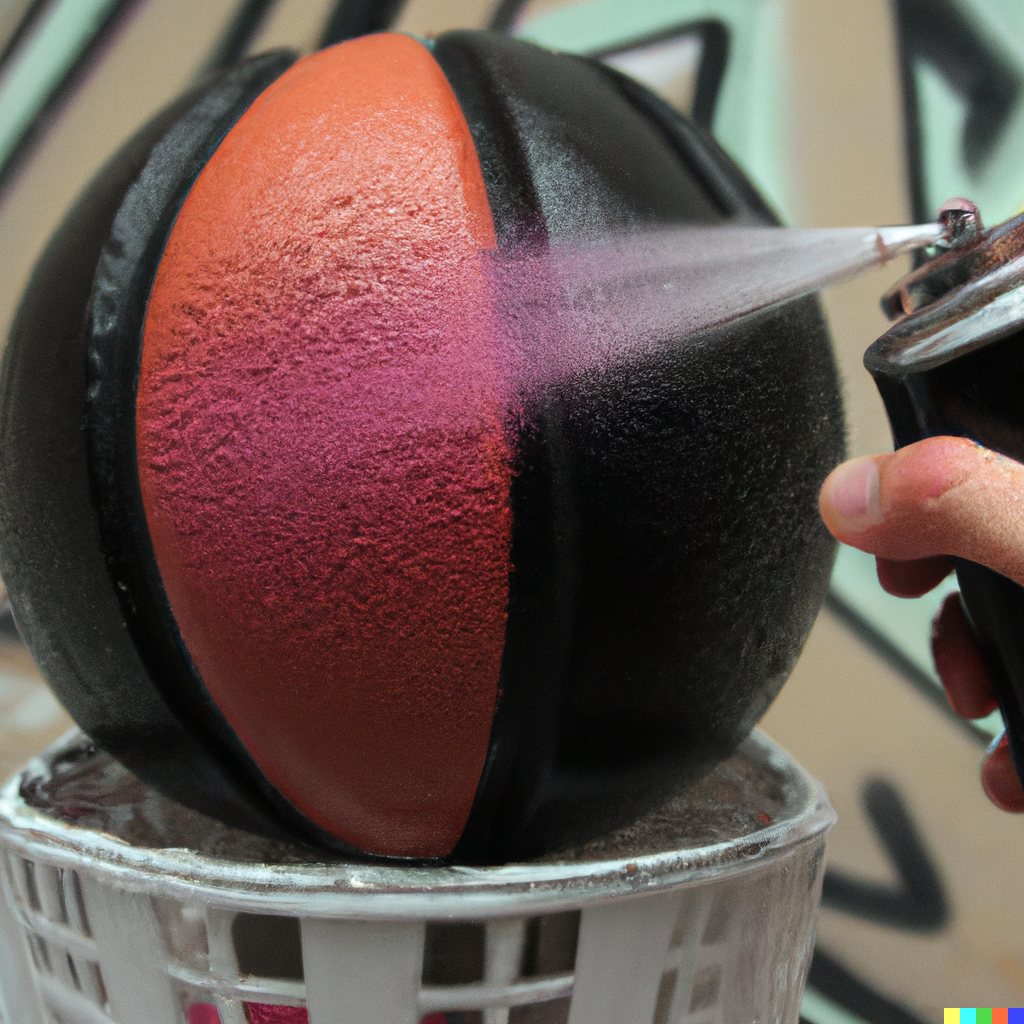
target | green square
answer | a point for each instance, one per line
(983, 1016)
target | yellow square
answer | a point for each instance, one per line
(951, 1015)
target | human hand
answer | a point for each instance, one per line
(913, 509)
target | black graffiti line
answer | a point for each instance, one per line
(836, 982)
(919, 902)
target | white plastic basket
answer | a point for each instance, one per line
(121, 906)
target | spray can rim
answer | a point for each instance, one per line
(970, 296)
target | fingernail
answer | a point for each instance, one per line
(853, 494)
(1000, 780)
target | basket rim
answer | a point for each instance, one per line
(380, 891)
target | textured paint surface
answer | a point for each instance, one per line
(320, 444)
(268, 1013)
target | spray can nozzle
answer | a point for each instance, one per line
(964, 253)
(961, 220)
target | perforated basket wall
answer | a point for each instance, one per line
(122, 907)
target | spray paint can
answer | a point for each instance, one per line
(954, 365)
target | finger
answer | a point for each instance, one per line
(960, 663)
(1000, 780)
(914, 578)
(940, 496)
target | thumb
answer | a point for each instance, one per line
(940, 496)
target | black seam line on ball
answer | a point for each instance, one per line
(519, 775)
(473, 71)
(538, 631)
(116, 319)
(714, 37)
(727, 187)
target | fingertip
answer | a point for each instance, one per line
(849, 499)
(912, 578)
(1000, 780)
(961, 665)
(938, 496)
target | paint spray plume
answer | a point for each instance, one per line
(579, 308)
